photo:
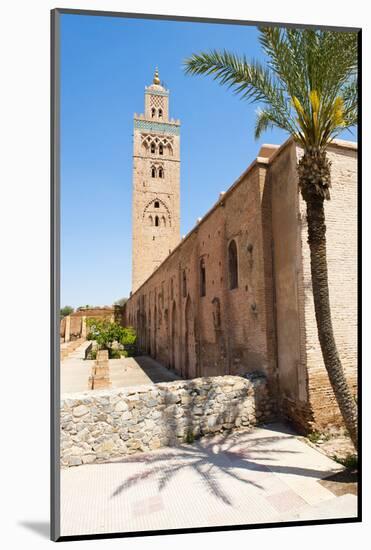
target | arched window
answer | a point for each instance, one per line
(153, 172)
(163, 221)
(157, 204)
(161, 149)
(202, 278)
(233, 265)
(150, 220)
(157, 223)
(184, 284)
(153, 112)
(160, 113)
(153, 148)
(160, 173)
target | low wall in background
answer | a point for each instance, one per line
(73, 326)
(101, 425)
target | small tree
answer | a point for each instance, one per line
(128, 340)
(66, 310)
(121, 302)
(107, 333)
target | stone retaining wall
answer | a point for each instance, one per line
(101, 425)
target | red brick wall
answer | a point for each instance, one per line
(240, 344)
(268, 322)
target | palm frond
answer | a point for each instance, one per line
(251, 81)
(282, 50)
(268, 119)
(308, 86)
(350, 98)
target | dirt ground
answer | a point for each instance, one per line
(342, 483)
(336, 443)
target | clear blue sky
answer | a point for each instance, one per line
(105, 64)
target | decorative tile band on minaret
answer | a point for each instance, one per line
(157, 127)
(156, 183)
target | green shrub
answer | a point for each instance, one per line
(189, 438)
(350, 461)
(128, 336)
(107, 333)
(66, 310)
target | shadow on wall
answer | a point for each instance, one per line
(204, 406)
(106, 425)
(206, 409)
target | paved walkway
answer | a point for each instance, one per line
(267, 475)
(125, 372)
(75, 371)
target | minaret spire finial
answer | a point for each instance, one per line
(156, 79)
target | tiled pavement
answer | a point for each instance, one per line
(267, 475)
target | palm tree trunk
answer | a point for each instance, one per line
(318, 259)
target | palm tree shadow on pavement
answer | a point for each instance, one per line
(212, 458)
(238, 456)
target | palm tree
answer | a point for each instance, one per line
(308, 88)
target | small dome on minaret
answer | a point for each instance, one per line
(156, 79)
(156, 83)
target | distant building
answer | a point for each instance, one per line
(73, 326)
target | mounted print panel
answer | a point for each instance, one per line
(204, 193)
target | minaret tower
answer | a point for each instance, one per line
(156, 183)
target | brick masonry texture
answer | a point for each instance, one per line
(341, 223)
(266, 322)
(102, 425)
